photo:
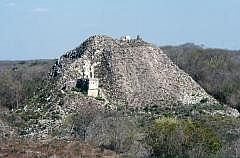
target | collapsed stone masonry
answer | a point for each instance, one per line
(127, 72)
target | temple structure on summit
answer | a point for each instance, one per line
(125, 38)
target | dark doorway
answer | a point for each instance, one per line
(83, 85)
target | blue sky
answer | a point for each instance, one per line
(33, 29)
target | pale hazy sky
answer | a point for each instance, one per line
(33, 29)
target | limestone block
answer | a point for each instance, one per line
(93, 92)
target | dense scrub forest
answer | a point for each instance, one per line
(216, 70)
(20, 79)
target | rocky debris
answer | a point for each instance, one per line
(232, 112)
(131, 72)
(44, 120)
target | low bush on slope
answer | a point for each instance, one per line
(171, 137)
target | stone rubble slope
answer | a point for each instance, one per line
(133, 73)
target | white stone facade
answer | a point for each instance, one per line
(88, 73)
(93, 83)
(93, 87)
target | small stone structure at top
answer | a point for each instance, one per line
(125, 38)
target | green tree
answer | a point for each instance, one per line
(171, 137)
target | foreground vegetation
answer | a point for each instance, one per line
(30, 148)
(155, 132)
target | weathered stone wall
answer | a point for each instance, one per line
(93, 87)
(93, 83)
(93, 92)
